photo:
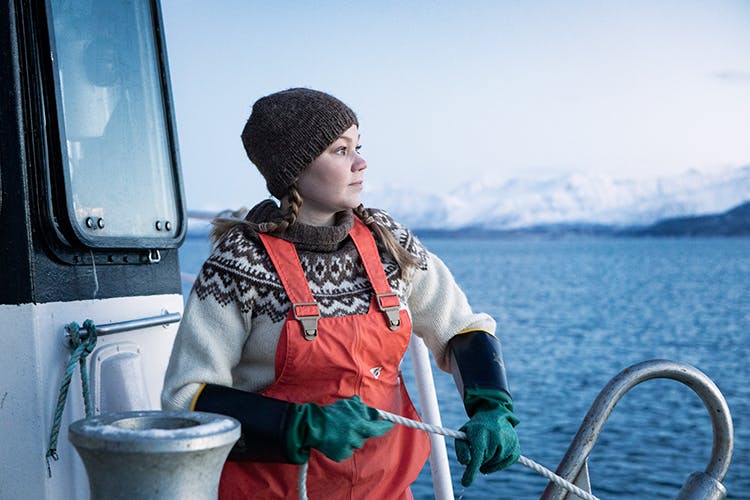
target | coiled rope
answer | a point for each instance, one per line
(81, 349)
(526, 462)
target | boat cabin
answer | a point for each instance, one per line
(93, 213)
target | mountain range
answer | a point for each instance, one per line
(734, 222)
(575, 201)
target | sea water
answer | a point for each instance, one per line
(572, 313)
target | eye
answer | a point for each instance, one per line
(358, 148)
(341, 150)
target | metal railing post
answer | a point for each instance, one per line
(721, 420)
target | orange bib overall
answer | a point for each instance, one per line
(321, 360)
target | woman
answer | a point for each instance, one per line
(300, 317)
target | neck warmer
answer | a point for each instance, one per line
(304, 236)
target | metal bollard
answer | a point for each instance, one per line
(159, 455)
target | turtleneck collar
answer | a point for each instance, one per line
(305, 236)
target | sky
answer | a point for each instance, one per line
(449, 92)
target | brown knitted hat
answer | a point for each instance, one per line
(287, 130)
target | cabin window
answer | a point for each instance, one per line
(119, 166)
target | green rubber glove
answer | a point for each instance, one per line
(492, 443)
(336, 429)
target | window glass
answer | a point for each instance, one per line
(119, 173)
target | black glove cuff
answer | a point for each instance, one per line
(477, 362)
(263, 419)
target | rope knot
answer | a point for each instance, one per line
(75, 334)
(90, 341)
(81, 348)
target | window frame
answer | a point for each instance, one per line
(61, 215)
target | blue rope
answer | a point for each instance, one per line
(81, 349)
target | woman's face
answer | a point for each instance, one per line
(333, 181)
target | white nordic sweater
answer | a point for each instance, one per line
(233, 317)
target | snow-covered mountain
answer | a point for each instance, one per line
(492, 203)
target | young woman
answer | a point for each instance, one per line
(300, 317)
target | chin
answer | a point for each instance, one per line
(352, 204)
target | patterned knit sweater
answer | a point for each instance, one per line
(235, 312)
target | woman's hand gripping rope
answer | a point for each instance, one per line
(491, 442)
(336, 429)
(462, 436)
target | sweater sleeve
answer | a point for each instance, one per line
(440, 310)
(207, 347)
(214, 328)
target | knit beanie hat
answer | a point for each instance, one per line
(287, 130)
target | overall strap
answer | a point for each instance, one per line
(289, 268)
(386, 300)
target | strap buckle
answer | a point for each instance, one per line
(389, 304)
(308, 314)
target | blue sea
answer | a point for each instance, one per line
(572, 313)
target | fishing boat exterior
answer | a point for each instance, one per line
(93, 213)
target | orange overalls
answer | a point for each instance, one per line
(321, 360)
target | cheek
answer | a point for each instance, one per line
(324, 179)
(315, 187)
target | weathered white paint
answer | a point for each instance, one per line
(32, 361)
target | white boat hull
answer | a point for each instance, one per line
(33, 360)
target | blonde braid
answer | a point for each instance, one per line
(295, 202)
(404, 259)
(222, 225)
(292, 211)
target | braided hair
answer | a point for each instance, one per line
(404, 259)
(222, 225)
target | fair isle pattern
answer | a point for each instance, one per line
(240, 271)
(404, 237)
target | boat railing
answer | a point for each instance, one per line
(704, 485)
(163, 319)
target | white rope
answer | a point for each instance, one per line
(526, 462)
(564, 484)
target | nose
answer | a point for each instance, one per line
(359, 163)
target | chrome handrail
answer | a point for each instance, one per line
(126, 326)
(573, 463)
